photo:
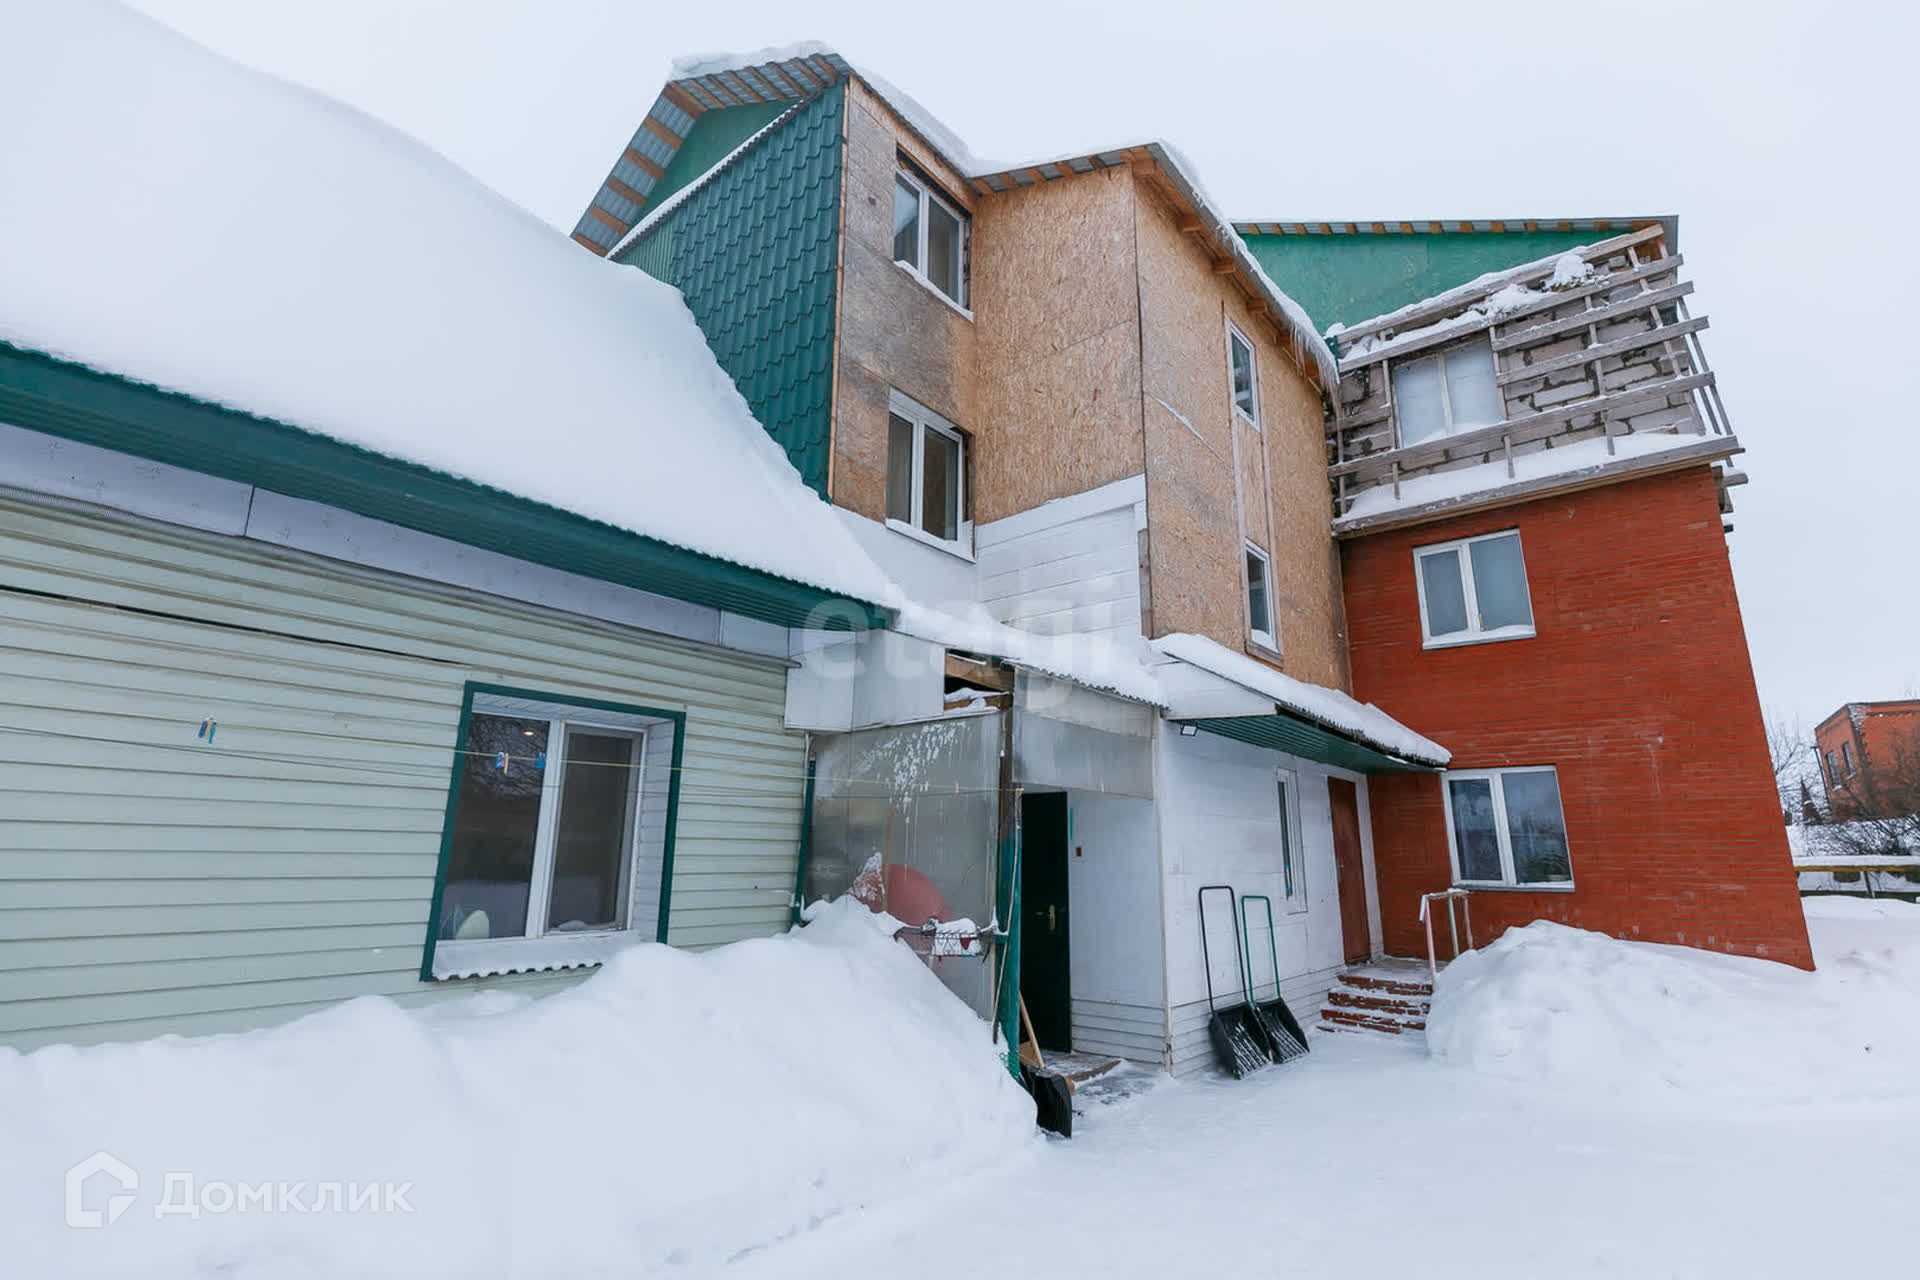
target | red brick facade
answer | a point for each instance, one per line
(1870, 758)
(1637, 687)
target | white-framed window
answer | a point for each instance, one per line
(1505, 827)
(1473, 589)
(927, 475)
(930, 235)
(1243, 375)
(1260, 598)
(1447, 392)
(1293, 866)
(1846, 758)
(557, 838)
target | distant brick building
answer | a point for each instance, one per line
(1870, 758)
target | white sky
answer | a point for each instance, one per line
(1782, 134)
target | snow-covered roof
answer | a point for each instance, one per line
(1329, 708)
(176, 219)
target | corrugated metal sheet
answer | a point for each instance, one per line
(755, 251)
(150, 882)
(1302, 738)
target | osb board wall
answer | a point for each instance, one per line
(894, 331)
(1057, 320)
(1197, 515)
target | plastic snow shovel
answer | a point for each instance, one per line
(1285, 1040)
(1237, 1039)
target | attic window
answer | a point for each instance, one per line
(930, 235)
(1452, 391)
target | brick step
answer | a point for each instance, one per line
(1337, 1019)
(1385, 1002)
(1396, 986)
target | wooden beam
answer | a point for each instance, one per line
(981, 675)
(1191, 225)
(1223, 266)
(1709, 450)
(660, 131)
(641, 163)
(1618, 346)
(1525, 428)
(597, 250)
(601, 215)
(680, 98)
(621, 188)
(1599, 315)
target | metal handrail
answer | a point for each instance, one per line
(1453, 925)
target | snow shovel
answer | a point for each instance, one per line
(1237, 1039)
(1285, 1040)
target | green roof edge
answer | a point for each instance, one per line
(59, 397)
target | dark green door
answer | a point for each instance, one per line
(1044, 960)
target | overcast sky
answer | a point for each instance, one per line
(1783, 135)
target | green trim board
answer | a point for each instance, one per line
(675, 768)
(58, 397)
(755, 250)
(1307, 740)
(1344, 279)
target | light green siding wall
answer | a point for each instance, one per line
(152, 883)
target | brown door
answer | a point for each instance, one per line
(1353, 881)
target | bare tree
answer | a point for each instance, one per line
(1886, 792)
(1796, 768)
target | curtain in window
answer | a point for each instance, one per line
(1476, 836)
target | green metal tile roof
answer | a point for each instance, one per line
(754, 248)
(42, 393)
(1307, 740)
(1343, 273)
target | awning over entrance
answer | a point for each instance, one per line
(1209, 687)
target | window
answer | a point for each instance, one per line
(557, 834)
(1260, 598)
(1833, 770)
(1504, 826)
(1293, 884)
(926, 474)
(1243, 376)
(1438, 395)
(1473, 589)
(930, 236)
(1846, 758)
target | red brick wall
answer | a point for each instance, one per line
(1886, 758)
(1637, 687)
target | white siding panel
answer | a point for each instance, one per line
(1072, 565)
(152, 882)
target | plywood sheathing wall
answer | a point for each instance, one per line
(1197, 513)
(894, 332)
(1057, 313)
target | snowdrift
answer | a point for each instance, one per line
(673, 1111)
(1566, 1008)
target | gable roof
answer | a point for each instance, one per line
(1345, 272)
(280, 285)
(726, 82)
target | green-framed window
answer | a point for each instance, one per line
(557, 848)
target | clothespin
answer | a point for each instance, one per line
(540, 760)
(208, 728)
(500, 761)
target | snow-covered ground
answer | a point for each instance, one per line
(818, 1106)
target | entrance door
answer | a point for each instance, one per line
(1353, 880)
(1044, 961)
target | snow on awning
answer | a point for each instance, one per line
(1213, 688)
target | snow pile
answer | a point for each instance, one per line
(288, 256)
(672, 1112)
(1569, 1009)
